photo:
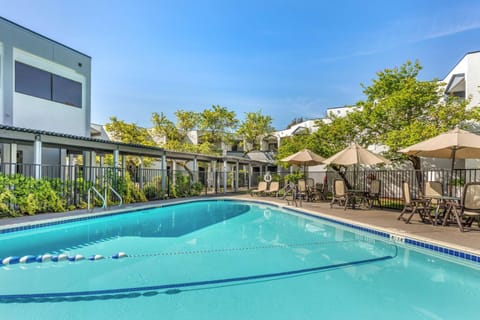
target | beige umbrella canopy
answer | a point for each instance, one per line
(304, 157)
(454, 144)
(354, 155)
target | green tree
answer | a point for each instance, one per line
(293, 144)
(164, 127)
(400, 110)
(217, 125)
(253, 128)
(130, 133)
(186, 122)
(294, 122)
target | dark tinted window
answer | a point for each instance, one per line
(67, 91)
(32, 81)
(42, 84)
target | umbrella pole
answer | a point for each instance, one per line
(450, 191)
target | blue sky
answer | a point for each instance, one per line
(287, 58)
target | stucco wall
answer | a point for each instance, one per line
(26, 111)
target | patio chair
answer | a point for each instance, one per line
(469, 210)
(273, 188)
(434, 192)
(290, 194)
(262, 187)
(302, 190)
(420, 206)
(310, 183)
(374, 193)
(339, 193)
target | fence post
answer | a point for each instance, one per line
(250, 176)
(237, 169)
(164, 171)
(225, 176)
(37, 157)
(140, 173)
(195, 170)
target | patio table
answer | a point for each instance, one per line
(450, 204)
(354, 195)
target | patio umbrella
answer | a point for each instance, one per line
(355, 155)
(305, 157)
(454, 144)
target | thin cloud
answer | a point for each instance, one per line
(453, 29)
(409, 37)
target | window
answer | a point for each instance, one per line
(42, 84)
(66, 91)
(32, 81)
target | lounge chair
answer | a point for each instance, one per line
(374, 193)
(262, 187)
(273, 188)
(420, 206)
(339, 193)
(470, 207)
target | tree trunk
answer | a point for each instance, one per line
(418, 173)
(341, 173)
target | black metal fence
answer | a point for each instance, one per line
(73, 182)
(391, 181)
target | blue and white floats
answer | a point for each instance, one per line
(10, 260)
(119, 255)
(57, 258)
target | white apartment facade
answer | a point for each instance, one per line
(44, 85)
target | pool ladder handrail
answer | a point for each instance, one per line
(89, 197)
(104, 198)
(116, 194)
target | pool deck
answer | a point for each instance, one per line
(380, 219)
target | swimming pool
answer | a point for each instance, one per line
(222, 259)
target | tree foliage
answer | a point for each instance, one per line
(165, 128)
(217, 125)
(294, 122)
(293, 144)
(129, 133)
(186, 122)
(400, 110)
(253, 128)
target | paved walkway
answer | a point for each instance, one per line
(381, 219)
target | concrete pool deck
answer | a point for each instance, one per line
(381, 219)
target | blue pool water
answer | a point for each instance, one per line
(227, 260)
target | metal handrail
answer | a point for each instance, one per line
(118, 196)
(104, 205)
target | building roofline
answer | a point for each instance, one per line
(86, 143)
(74, 137)
(45, 37)
(456, 64)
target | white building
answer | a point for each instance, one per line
(44, 85)
(464, 78)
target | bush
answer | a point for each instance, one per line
(196, 189)
(25, 195)
(294, 177)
